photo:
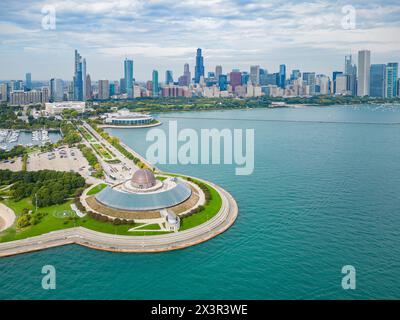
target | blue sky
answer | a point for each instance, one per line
(164, 34)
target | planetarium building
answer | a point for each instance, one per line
(143, 195)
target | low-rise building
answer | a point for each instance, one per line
(55, 108)
(125, 117)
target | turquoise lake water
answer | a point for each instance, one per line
(325, 193)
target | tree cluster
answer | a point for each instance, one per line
(14, 152)
(70, 134)
(44, 187)
(27, 219)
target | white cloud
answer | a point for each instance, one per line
(233, 31)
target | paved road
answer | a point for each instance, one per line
(157, 243)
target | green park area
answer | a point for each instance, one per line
(101, 151)
(42, 204)
(58, 217)
(96, 189)
(204, 213)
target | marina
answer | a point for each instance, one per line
(40, 136)
(9, 138)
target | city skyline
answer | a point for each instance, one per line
(356, 79)
(163, 35)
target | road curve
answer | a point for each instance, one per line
(118, 243)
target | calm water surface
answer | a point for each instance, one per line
(324, 193)
(25, 138)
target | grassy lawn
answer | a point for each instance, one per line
(210, 210)
(96, 189)
(101, 151)
(88, 136)
(53, 220)
(108, 227)
(154, 226)
(114, 161)
(49, 222)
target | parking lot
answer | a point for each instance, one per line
(13, 165)
(61, 159)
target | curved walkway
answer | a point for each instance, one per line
(7, 217)
(118, 243)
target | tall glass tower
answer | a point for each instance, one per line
(377, 80)
(28, 81)
(84, 79)
(78, 82)
(282, 76)
(128, 76)
(169, 77)
(392, 71)
(155, 83)
(199, 68)
(350, 70)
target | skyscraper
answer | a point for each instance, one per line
(309, 79)
(89, 94)
(78, 82)
(255, 75)
(364, 65)
(84, 79)
(222, 82)
(122, 85)
(186, 73)
(155, 87)
(218, 72)
(169, 79)
(296, 74)
(272, 79)
(104, 90)
(112, 89)
(377, 80)
(350, 70)
(392, 70)
(235, 78)
(128, 76)
(28, 81)
(263, 76)
(282, 76)
(341, 84)
(199, 68)
(56, 90)
(322, 84)
(335, 74)
(245, 78)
